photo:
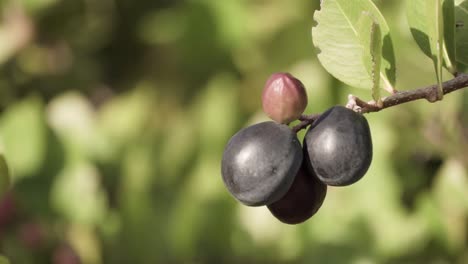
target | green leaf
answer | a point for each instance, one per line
(339, 37)
(449, 50)
(432, 23)
(461, 33)
(23, 130)
(436, 38)
(418, 22)
(373, 59)
(77, 194)
(376, 57)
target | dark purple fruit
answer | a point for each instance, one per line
(338, 146)
(284, 98)
(260, 162)
(302, 200)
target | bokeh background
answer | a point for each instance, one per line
(115, 113)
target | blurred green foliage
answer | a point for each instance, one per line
(115, 114)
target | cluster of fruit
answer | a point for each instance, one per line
(265, 164)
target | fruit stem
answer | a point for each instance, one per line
(306, 120)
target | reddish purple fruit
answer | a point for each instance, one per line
(284, 98)
(303, 199)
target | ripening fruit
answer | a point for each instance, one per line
(338, 146)
(260, 162)
(284, 98)
(302, 200)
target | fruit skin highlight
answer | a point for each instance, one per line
(284, 98)
(260, 163)
(302, 201)
(338, 147)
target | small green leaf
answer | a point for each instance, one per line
(461, 32)
(339, 36)
(431, 24)
(418, 22)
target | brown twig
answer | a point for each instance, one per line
(306, 120)
(429, 93)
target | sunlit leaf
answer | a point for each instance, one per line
(78, 195)
(436, 38)
(71, 115)
(449, 51)
(432, 26)
(339, 39)
(123, 118)
(372, 59)
(418, 21)
(23, 131)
